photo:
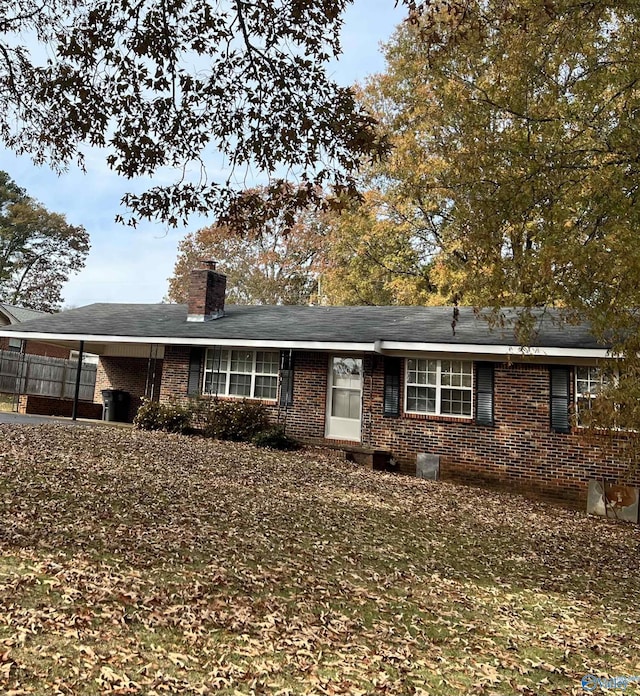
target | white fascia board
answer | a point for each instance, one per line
(483, 349)
(344, 346)
(379, 346)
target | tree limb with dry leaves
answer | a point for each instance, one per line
(165, 86)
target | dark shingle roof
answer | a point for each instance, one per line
(20, 313)
(302, 323)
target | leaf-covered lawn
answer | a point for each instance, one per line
(144, 563)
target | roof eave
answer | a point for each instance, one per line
(487, 349)
(378, 346)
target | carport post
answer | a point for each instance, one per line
(76, 393)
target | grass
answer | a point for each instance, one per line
(146, 563)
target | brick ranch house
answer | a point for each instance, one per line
(396, 379)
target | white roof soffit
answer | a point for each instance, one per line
(368, 347)
(485, 349)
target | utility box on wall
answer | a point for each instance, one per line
(428, 466)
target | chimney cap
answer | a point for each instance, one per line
(209, 264)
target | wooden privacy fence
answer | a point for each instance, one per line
(43, 376)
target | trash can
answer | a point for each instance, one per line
(115, 405)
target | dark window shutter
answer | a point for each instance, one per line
(484, 393)
(195, 364)
(286, 379)
(560, 394)
(391, 403)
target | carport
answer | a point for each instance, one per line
(104, 347)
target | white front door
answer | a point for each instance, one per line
(344, 398)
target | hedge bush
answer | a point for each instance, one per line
(234, 420)
(241, 421)
(171, 417)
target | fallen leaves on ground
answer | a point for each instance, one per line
(147, 563)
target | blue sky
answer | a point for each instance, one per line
(133, 265)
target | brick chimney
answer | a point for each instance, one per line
(206, 293)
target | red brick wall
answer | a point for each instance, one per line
(520, 451)
(206, 292)
(46, 406)
(36, 348)
(306, 416)
(175, 373)
(127, 374)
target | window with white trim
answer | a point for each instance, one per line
(439, 387)
(249, 374)
(590, 381)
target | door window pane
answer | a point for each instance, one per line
(345, 404)
(347, 373)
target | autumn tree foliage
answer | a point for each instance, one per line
(374, 255)
(271, 263)
(514, 128)
(39, 250)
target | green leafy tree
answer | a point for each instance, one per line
(273, 263)
(38, 250)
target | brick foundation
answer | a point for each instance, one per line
(47, 406)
